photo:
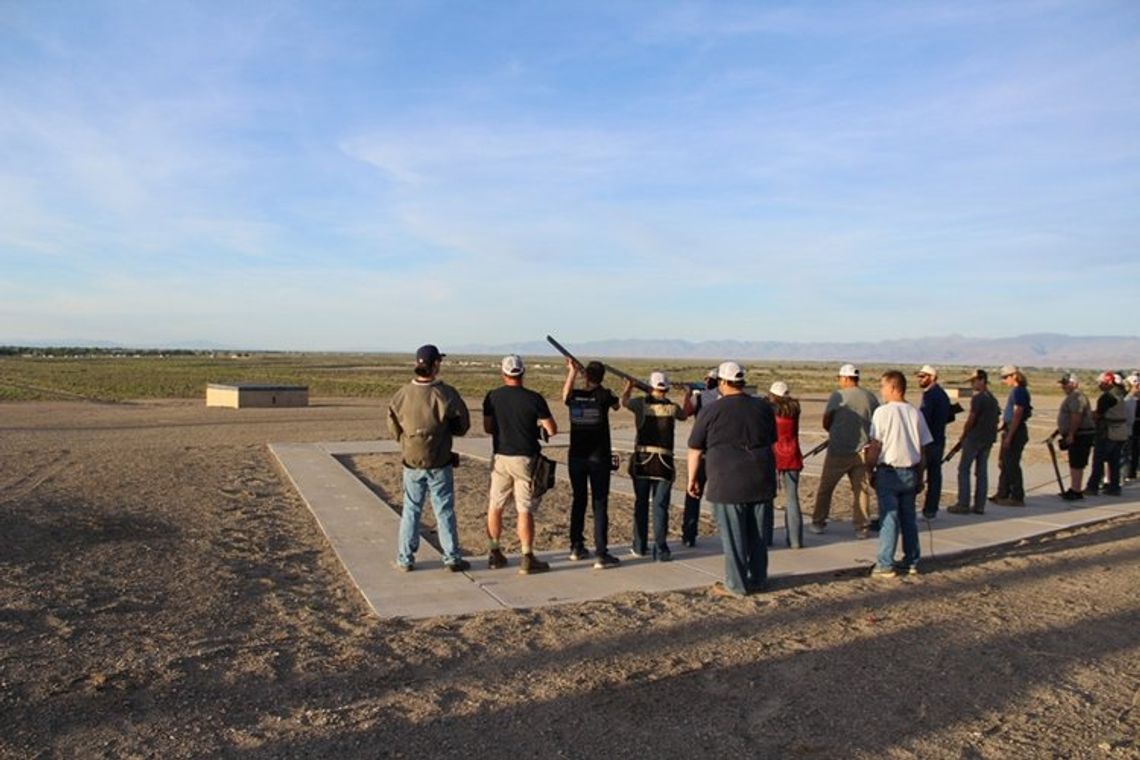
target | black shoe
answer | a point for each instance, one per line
(496, 559)
(958, 510)
(1071, 495)
(689, 542)
(978, 510)
(530, 564)
(663, 555)
(578, 552)
(930, 515)
(459, 566)
(606, 561)
(1112, 492)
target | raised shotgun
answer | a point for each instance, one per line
(612, 370)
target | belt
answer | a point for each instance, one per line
(892, 467)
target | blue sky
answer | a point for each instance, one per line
(376, 175)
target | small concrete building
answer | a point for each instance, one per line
(248, 395)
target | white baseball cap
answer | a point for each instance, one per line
(779, 388)
(927, 370)
(659, 381)
(730, 371)
(1007, 370)
(513, 365)
(1134, 379)
(849, 370)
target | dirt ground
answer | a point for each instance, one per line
(164, 593)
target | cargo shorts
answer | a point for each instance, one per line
(510, 482)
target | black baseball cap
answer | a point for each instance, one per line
(979, 374)
(428, 355)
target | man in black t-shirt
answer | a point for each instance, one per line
(589, 459)
(736, 436)
(512, 416)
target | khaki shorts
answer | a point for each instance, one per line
(510, 482)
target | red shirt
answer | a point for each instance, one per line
(787, 448)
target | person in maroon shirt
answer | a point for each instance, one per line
(789, 459)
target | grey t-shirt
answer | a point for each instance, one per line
(851, 421)
(986, 411)
(1075, 403)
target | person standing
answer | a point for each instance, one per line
(1015, 434)
(423, 416)
(512, 416)
(1130, 403)
(736, 436)
(690, 518)
(589, 459)
(935, 409)
(651, 466)
(978, 436)
(1111, 421)
(789, 459)
(894, 454)
(847, 419)
(1077, 431)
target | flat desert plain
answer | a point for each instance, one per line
(164, 593)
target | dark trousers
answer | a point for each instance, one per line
(690, 518)
(1011, 484)
(933, 495)
(1106, 453)
(597, 475)
(745, 551)
(644, 491)
(1133, 451)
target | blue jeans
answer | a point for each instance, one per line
(440, 483)
(745, 554)
(793, 521)
(645, 490)
(933, 496)
(897, 494)
(597, 475)
(971, 454)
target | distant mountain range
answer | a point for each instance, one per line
(1037, 350)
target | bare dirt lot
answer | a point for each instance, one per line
(163, 593)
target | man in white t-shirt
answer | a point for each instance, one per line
(894, 456)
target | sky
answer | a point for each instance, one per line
(377, 175)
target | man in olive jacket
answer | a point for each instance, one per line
(423, 416)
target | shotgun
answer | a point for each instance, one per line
(641, 386)
(562, 350)
(817, 449)
(612, 370)
(954, 450)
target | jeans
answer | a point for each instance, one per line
(1010, 482)
(645, 490)
(897, 494)
(933, 494)
(597, 475)
(440, 483)
(690, 518)
(745, 555)
(793, 521)
(973, 454)
(1105, 453)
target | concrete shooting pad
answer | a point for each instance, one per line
(363, 531)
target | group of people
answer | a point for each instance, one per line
(740, 449)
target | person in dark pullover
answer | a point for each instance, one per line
(935, 409)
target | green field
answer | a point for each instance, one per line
(104, 376)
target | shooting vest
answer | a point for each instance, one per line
(653, 452)
(1116, 418)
